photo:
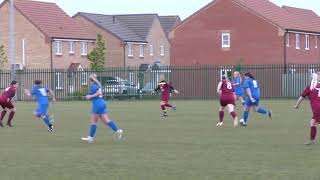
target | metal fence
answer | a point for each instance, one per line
(194, 82)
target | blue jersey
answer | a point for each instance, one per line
(96, 100)
(238, 88)
(252, 84)
(41, 93)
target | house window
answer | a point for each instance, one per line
(297, 41)
(71, 47)
(151, 50)
(130, 50)
(316, 39)
(292, 70)
(225, 40)
(226, 72)
(161, 50)
(58, 80)
(84, 78)
(307, 42)
(84, 48)
(288, 39)
(141, 50)
(58, 47)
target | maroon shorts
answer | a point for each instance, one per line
(8, 105)
(225, 100)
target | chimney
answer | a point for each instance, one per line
(114, 19)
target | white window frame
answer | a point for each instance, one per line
(141, 54)
(288, 39)
(225, 43)
(292, 70)
(151, 49)
(84, 48)
(316, 41)
(130, 49)
(162, 50)
(297, 41)
(84, 78)
(71, 47)
(225, 71)
(307, 47)
(58, 47)
(58, 81)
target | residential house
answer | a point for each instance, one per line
(45, 36)
(131, 40)
(229, 32)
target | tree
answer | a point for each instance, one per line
(97, 55)
(3, 57)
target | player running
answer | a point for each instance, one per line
(165, 89)
(238, 87)
(251, 88)
(6, 103)
(227, 99)
(99, 110)
(41, 94)
(313, 93)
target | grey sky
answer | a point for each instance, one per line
(183, 8)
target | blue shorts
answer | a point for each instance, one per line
(239, 93)
(249, 103)
(99, 109)
(42, 109)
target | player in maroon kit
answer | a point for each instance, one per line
(313, 93)
(166, 89)
(226, 92)
(6, 103)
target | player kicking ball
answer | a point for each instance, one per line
(165, 88)
(227, 99)
(313, 93)
(41, 94)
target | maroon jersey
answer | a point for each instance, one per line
(8, 94)
(165, 89)
(226, 88)
(314, 97)
(227, 93)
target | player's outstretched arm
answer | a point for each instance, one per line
(98, 93)
(52, 95)
(298, 102)
(27, 92)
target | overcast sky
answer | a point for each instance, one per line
(183, 8)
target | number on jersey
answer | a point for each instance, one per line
(229, 86)
(43, 91)
(255, 84)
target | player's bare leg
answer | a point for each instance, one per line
(10, 118)
(313, 132)
(3, 114)
(105, 119)
(221, 116)
(233, 114)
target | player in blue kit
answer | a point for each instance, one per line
(252, 91)
(41, 93)
(99, 110)
(238, 86)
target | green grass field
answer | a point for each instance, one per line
(184, 146)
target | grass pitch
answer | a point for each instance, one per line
(184, 146)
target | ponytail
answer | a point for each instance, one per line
(93, 78)
(314, 81)
(249, 75)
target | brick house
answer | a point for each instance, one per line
(45, 36)
(133, 39)
(229, 32)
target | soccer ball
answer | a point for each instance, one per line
(241, 121)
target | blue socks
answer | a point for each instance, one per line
(47, 121)
(93, 129)
(245, 116)
(113, 126)
(262, 111)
